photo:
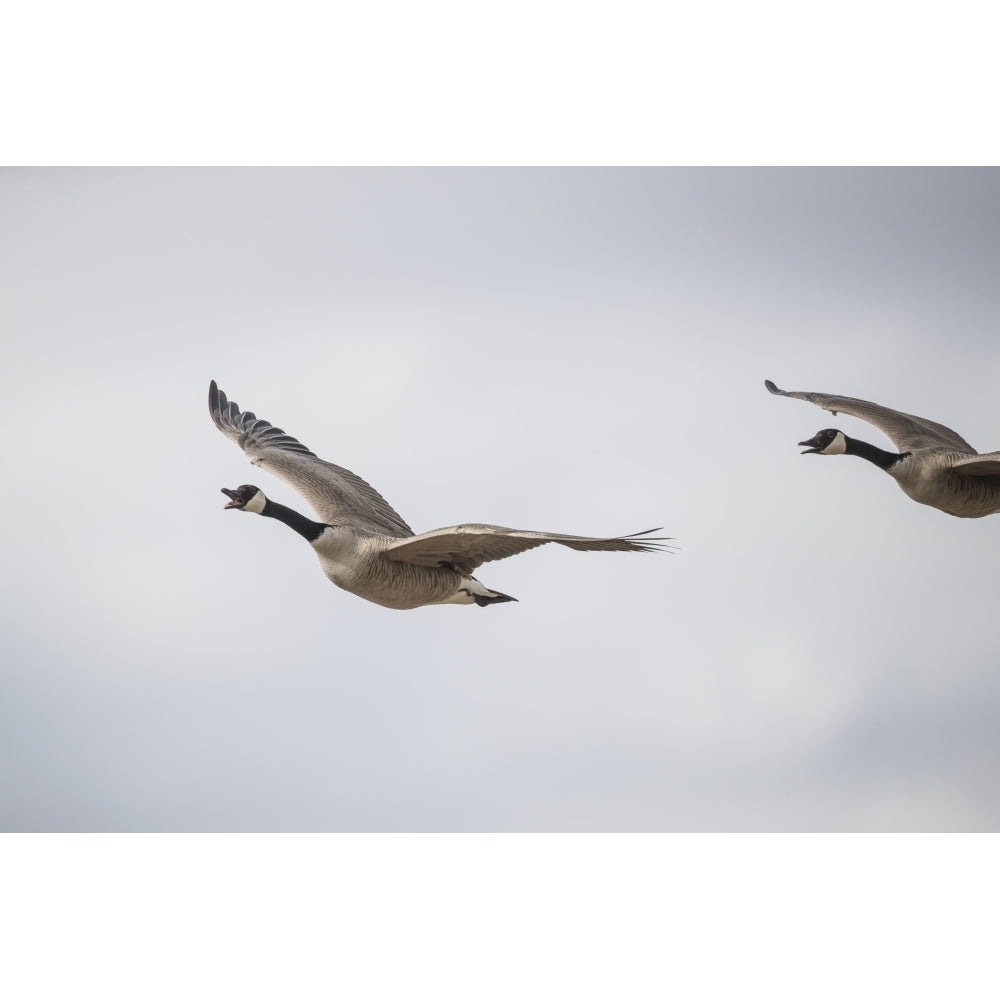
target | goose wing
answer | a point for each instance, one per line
(466, 546)
(987, 464)
(337, 495)
(907, 432)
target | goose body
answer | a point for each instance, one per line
(363, 545)
(934, 465)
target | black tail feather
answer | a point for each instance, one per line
(495, 599)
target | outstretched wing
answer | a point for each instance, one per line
(337, 495)
(466, 546)
(987, 464)
(907, 432)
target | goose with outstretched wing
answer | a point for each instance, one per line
(363, 545)
(934, 465)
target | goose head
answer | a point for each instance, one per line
(246, 497)
(828, 442)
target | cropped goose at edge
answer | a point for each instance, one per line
(934, 465)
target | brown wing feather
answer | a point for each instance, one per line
(907, 432)
(987, 464)
(466, 546)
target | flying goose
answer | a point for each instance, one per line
(934, 465)
(363, 545)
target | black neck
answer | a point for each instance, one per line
(309, 530)
(883, 459)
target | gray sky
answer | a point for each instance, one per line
(569, 350)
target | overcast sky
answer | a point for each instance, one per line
(570, 350)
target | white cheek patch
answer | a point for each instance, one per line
(256, 503)
(838, 446)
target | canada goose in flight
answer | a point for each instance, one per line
(363, 545)
(934, 465)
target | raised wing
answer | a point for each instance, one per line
(907, 432)
(467, 546)
(987, 464)
(337, 495)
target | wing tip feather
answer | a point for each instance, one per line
(246, 428)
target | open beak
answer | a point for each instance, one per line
(810, 446)
(235, 500)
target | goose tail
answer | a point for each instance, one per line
(494, 597)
